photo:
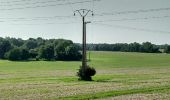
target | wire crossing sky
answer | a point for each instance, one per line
(114, 21)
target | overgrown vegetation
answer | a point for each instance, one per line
(38, 49)
(86, 73)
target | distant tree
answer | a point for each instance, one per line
(33, 53)
(5, 46)
(167, 49)
(134, 47)
(146, 47)
(116, 47)
(15, 42)
(40, 41)
(124, 47)
(31, 44)
(66, 50)
(60, 48)
(24, 54)
(72, 53)
(14, 54)
(149, 48)
(46, 52)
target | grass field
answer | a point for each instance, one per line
(120, 76)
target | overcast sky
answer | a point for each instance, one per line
(122, 21)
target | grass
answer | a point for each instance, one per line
(117, 93)
(119, 75)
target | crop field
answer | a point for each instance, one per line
(120, 76)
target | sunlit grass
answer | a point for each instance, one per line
(118, 74)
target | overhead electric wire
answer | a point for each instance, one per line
(133, 28)
(133, 19)
(29, 3)
(40, 17)
(21, 1)
(34, 18)
(47, 5)
(53, 23)
(134, 11)
(14, 1)
(66, 17)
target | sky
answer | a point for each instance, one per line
(114, 21)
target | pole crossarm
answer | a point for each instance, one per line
(83, 12)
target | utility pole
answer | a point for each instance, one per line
(83, 13)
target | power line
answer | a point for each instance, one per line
(30, 3)
(134, 11)
(39, 17)
(133, 19)
(53, 23)
(20, 1)
(48, 5)
(133, 28)
(14, 1)
(34, 18)
(66, 17)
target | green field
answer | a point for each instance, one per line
(119, 76)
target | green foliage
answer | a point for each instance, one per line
(15, 42)
(66, 50)
(72, 53)
(14, 54)
(167, 49)
(33, 53)
(5, 46)
(86, 73)
(39, 49)
(149, 48)
(18, 54)
(25, 55)
(46, 52)
(124, 47)
(31, 44)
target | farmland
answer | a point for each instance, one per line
(119, 75)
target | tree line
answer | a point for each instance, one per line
(62, 49)
(17, 49)
(145, 47)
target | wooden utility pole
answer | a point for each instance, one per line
(83, 13)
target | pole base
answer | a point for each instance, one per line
(86, 73)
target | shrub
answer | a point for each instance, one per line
(86, 74)
(16, 54)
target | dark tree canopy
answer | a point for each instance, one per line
(167, 49)
(42, 49)
(5, 46)
(61, 49)
(47, 52)
(146, 47)
(16, 54)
